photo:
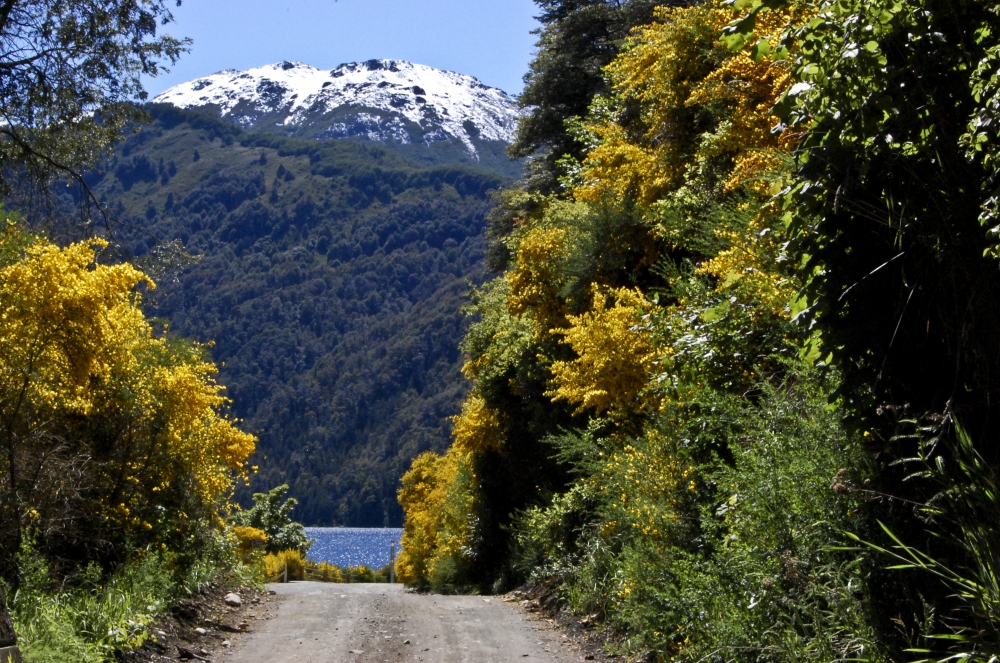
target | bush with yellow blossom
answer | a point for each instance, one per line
(640, 430)
(439, 500)
(114, 436)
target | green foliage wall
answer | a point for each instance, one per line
(886, 207)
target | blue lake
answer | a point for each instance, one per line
(353, 546)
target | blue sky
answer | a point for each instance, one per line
(483, 38)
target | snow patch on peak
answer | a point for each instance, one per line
(435, 100)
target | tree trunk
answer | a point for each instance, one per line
(7, 636)
(9, 652)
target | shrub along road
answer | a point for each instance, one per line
(366, 623)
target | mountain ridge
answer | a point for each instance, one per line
(382, 100)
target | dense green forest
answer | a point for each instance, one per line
(330, 276)
(733, 381)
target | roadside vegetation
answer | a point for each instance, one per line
(732, 386)
(118, 455)
(732, 390)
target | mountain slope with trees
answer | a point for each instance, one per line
(330, 277)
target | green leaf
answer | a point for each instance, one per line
(734, 42)
(736, 34)
(715, 313)
(760, 49)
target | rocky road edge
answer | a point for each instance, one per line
(203, 625)
(589, 633)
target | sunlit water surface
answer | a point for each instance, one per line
(353, 546)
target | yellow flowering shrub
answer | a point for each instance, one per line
(750, 86)
(247, 536)
(497, 340)
(696, 102)
(536, 281)
(274, 564)
(688, 135)
(643, 158)
(439, 503)
(614, 354)
(330, 572)
(477, 427)
(645, 484)
(541, 251)
(152, 458)
(746, 270)
(64, 322)
(421, 496)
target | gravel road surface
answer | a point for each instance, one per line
(366, 623)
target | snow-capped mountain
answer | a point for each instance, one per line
(384, 100)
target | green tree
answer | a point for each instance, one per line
(577, 40)
(886, 207)
(274, 516)
(70, 72)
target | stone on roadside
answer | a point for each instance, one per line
(200, 631)
(233, 600)
(227, 644)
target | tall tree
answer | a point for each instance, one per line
(70, 72)
(578, 39)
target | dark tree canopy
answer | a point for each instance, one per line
(578, 39)
(888, 213)
(70, 71)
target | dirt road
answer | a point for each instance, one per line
(329, 623)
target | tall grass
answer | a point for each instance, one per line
(963, 514)
(93, 616)
(92, 620)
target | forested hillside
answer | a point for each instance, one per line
(733, 387)
(330, 276)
